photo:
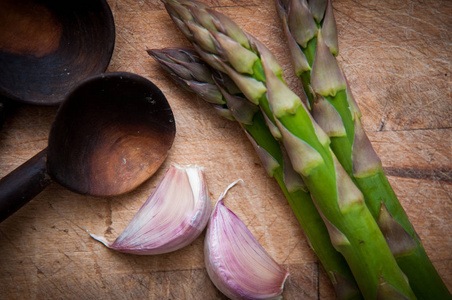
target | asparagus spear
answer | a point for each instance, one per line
(335, 110)
(352, 230)
(188, 69)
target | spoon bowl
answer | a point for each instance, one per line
(48, 46)
(112, 132)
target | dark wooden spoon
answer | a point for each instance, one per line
(112, 132)
(48, 46)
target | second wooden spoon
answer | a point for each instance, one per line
(111, 133)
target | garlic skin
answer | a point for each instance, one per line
(171, 218)
(236, 263)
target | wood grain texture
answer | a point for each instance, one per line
(396, 55)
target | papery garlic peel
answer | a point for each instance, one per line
(236, 263)
(171, 218)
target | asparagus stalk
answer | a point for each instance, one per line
(334, 108)
(192, 73)
(352, 230)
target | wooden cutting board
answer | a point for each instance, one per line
(397, 57)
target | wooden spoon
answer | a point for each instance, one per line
(48, 46)
(111, 133)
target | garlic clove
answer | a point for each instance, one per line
(171, 218)
(236, 263)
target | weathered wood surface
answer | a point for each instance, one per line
(397, 57)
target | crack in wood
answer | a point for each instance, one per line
(109, 218)
(318, 278)
(441, 174)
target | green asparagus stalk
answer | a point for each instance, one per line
(313, 46)
(352, 229)
(192, 73)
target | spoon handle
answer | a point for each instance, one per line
(2, 113)
(23, 184)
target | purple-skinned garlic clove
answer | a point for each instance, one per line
(171, 218)
(236, 263)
